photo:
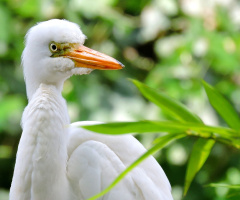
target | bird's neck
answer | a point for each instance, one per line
(33, 85)
(40, 171)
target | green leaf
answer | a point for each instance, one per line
(171, 106)
(235, 186)
(199, 155)
(222, 106)
(165, 140)
(161, 126)
(180, 112)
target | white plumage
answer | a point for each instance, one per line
(58, 161)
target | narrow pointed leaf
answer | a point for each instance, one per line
(165, 140)
(236, 186)
(182, 114)
(171, 106)
(199, 155)
(222, 106)
(160, 126)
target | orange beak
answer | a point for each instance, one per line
(89, 58)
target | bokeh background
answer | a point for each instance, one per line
(168, 44)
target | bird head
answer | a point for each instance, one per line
(54, 51)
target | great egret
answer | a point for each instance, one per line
(58, 161)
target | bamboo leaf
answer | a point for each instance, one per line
(165, 140)
(222, 106)
(235, 186)
(171, 106)
(199, 155)
(161, 126)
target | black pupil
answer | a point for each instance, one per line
(54, 47)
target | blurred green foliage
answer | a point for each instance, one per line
(170, 45)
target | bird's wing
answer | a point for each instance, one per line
(95, 160)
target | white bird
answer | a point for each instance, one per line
(59, 161)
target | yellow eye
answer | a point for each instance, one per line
(53, 47)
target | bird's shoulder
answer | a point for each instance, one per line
(117, 151)
(122, 145)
